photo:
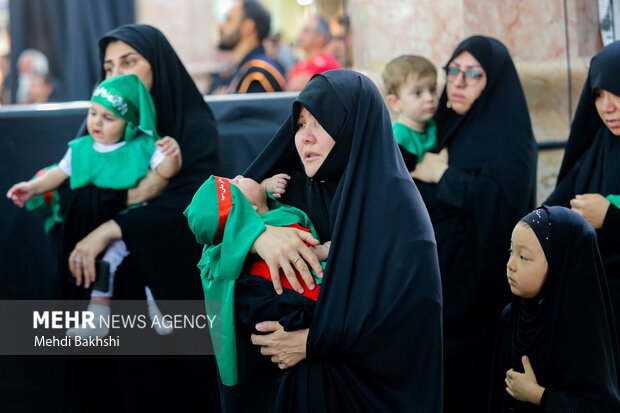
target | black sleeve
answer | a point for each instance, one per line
(558, 401)
(256, 301)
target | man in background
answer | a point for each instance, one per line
(247, 24)
(313, 40)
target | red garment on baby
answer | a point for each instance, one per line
(261, 269)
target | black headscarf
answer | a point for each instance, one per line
(591, 162)
(567, 330)
(588, 132)
(375, 340)
(495, 127)
(489, 185)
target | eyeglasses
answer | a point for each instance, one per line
(471, 77)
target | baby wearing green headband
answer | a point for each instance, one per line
(121, 146)
(226, 216)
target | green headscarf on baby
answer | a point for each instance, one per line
(127, 97)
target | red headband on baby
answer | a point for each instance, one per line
(224, 203)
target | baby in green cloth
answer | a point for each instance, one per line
(411, 86)
(226, 216)
(121, 145)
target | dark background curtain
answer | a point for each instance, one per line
(66, 31)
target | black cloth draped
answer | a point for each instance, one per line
(591, 162)
(567, 330)
(489, 185)
(375, 339)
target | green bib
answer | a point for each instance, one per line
(416, 143)
(121, 168)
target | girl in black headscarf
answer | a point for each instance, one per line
(163, 249)
(591, 167)
(473, 200)
(557, 347)
(374, 343)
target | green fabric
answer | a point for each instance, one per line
(47, 209)
(127, 97)
(415, 142)
(121, 168)
(221, 264)
(614, 199)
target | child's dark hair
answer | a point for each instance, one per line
(398, 70)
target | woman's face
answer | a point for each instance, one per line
(313, 143)
(122, 59)
(527, 267)
(466, 79)
(608, 107)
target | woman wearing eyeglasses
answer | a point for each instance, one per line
(479, 182)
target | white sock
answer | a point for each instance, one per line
(100, 330)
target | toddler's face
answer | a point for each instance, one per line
(418, 99)
(527, 267)
(103, 125)
(252, 190)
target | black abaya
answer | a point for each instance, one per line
(567, 330)
(591, 163)
(375, 340)
(490, 183)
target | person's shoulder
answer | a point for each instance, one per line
(262, 72)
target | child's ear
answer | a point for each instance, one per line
(393, 102)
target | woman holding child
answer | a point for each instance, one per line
(481, 181)
(163, 249)
(374, 342)
(589, 179)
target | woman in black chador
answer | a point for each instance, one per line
(557, 348)
(590, 172)
(163, 249)
(374, 343)
(479, 184)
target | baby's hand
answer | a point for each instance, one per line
(169, 146)
(321, 251)
(276, 185)
(20, 193)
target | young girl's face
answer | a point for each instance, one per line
(527, 267)
(103, 125)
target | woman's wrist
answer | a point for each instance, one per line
(111, 231)
(537, 394)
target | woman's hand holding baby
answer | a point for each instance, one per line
(284, 248)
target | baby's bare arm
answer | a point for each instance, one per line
(21, 192)
(171, 165)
